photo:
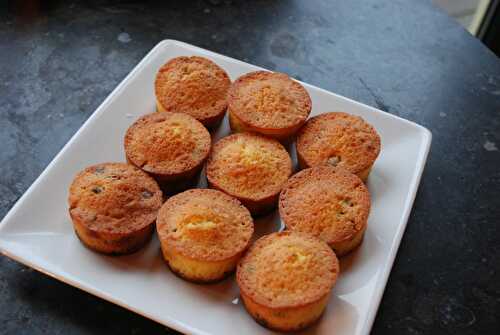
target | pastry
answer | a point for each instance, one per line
(195, 86)
(268, 103)
(251, 168)
(329, 203)
(171, 147)
(113, 207)
(203, 234)
(285, 280)
(338, 139)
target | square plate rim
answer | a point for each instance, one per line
(170, 321)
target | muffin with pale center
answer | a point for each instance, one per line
(330, 203)
(251, 168)
(285, 280)
(203, 233)
(113, 207)
(268, 103)
(338, 139)
(195, 86)
(171, 147)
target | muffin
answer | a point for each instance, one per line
(329, 203)
(338, 139)
(203, 234)
(195, 86)
(268, 103)
(113, 207)
(171, 147)
(285, 280)
(251, 168)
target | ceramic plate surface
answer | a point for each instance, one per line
(38, 232)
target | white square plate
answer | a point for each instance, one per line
(38, 232)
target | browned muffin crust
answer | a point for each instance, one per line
(267, 273)
(285, 279)
(203, 233)
(269, 103)
(249, 167)
(169, 146)
(205, 224)
(329, 203)
(195, 86)
(113, 206)
(338, 139)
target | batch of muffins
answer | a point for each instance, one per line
(285, 278)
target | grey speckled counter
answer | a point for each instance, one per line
(58, 63)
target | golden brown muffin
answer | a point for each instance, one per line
(203, 234)
(113, 207)
(268, 103)
(171, 147)
(251, 168)
(195, 86)
(285, 280)
(338, 139)
(329, 203)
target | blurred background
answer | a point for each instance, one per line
(470, 13)
(480, 17)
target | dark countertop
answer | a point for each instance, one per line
(57, 64)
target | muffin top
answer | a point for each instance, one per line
(287, 269)
(269, 100)
(248, 166)
(167, 143)
(205, 224)
(193, 85)
(330, 203)
(338, 139)
(114, 198)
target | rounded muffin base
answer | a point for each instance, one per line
(170, 186)
(284, 135)
(286, 319)
(175, 183)
(345, 247)
(363, 174)
(209, 122)
(198, 271)
(255, 207)
(113, 244)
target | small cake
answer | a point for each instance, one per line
(203, 234)
(268, 103)
(251, 168)
(329, 203)
(338, 139)
(285, 280)
(171, 147)
(195, 86)
(113, 207)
